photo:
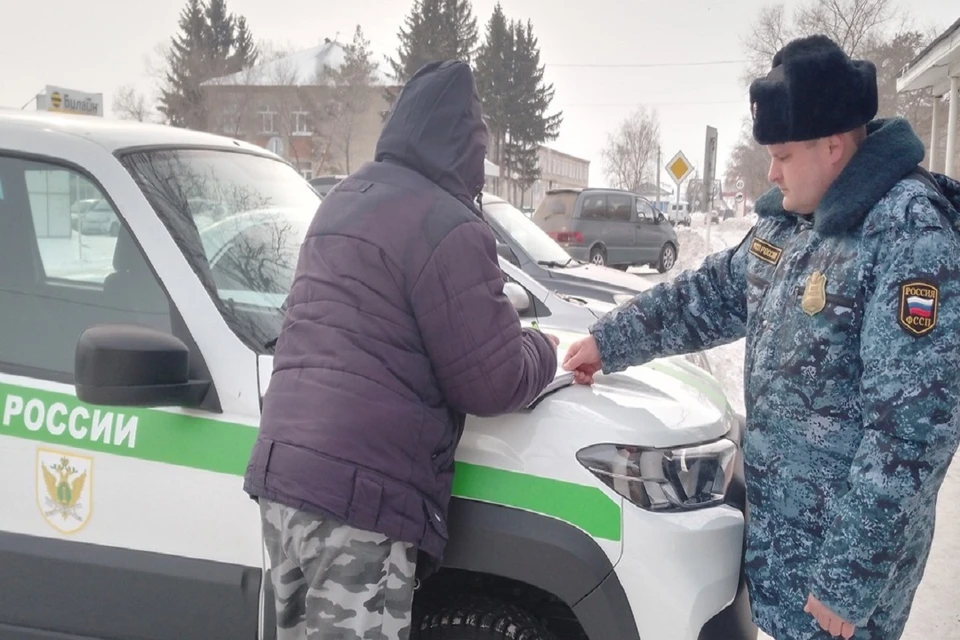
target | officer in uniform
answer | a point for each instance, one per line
(847, 291)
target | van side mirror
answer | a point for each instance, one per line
(135, 366)
(518, 296)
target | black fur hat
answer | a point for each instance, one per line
(813, 90)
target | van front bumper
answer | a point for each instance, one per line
(681, 572)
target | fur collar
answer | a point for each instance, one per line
(891, 151)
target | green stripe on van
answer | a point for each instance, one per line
(586, 507)
(224, 447)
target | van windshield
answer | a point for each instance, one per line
(239, 218)
(532, 239)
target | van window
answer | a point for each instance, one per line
(594, 207)
(619, 207)
(555, 211)
(645, 211)
(62, 272)
(247, 255)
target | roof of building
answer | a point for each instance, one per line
(300, 68)
(933, 66)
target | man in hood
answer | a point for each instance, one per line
(848, 294)
(397, 326)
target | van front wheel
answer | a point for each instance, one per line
(668, 258)
(480, 619)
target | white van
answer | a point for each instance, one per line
(131, 375)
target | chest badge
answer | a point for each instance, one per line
(814, 294)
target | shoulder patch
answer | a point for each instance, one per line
(919, 303)
(766, 251)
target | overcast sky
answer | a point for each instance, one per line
(100, 45)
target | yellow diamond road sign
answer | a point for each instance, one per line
(679, 167)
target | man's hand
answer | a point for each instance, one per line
(829, 621)
(554, 340)
(583, 358)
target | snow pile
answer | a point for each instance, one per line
(726, 361)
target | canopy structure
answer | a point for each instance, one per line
(938, 68)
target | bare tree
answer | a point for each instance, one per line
(769, 32)
(631, 151)
(748, 162)
(871, 29)
(850, 23)
(130, 104)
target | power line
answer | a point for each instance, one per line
(563, 105)
(645, 65)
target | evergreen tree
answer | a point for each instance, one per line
(528, 123)
(211, 43)
(494, 77)
(245, 53)
(434, 30)
(180, 100)
(421, 40)
(459, 31)
(220, 33)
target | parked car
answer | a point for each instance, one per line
(323, 184)
(94, 216)
(131, 381)
(609, 227)
(523, 243)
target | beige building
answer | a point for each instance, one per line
(288, 106)
(557, 170)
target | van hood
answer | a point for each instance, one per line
(666, 403)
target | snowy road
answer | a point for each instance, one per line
(936, 609)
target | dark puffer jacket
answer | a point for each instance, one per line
(397, 326)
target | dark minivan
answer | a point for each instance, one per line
(609, 227)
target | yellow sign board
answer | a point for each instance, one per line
(679, 167)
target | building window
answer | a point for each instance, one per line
(230, 121)
(306, 170)
(300, 122)
(267, 120)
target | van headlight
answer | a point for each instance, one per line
(622, 298)
(675, 479)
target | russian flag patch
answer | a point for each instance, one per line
(919, 301)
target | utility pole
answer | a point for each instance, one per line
(710, 165)
(660, 206)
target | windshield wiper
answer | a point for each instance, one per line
(553, 264)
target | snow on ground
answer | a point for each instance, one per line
(726, 361)
(936, 608)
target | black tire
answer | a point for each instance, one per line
(668, 258)
(598, 256)
(480, 619)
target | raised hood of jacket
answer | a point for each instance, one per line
(436, 128)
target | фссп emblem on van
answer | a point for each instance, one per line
(64, 489)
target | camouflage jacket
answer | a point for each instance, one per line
(852, 382)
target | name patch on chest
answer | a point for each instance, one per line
(919, 302)
(766, 251)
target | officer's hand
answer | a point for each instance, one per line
(829, 621)
(554, 340)
(583, 358)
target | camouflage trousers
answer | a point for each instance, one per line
(334, 582)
